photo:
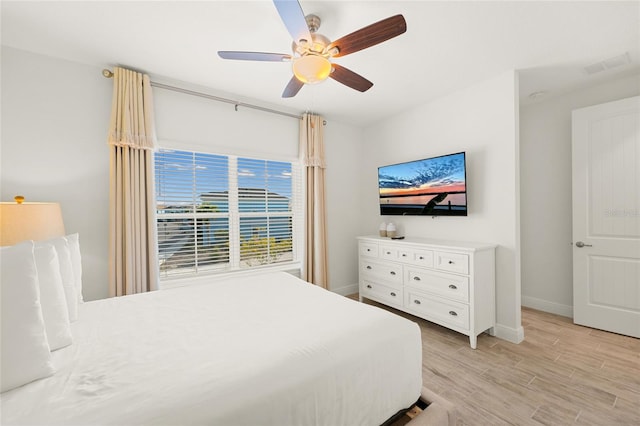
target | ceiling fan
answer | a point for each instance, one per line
(313, 52)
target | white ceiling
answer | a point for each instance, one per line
(448, 45)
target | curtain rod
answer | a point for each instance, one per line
(109, 74)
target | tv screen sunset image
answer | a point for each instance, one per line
(434, 186)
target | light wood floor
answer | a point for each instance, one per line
(561, 374)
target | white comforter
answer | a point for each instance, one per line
(260, 350)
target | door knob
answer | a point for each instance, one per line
(580, 244)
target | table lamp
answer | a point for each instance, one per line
(20, 221)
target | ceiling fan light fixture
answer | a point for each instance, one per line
(311, 69)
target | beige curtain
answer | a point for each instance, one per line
(314, 268)
(133, 262)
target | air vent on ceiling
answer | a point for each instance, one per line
(607, 64)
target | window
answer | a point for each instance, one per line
(220, 213)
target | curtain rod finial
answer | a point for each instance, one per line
(107, 73)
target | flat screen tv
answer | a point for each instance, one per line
(430, 187)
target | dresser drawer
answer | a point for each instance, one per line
(388, 253)
(390, 273)
(447, 285)
(417, 257)
(368, 249)
(452, 262)
(446, 312)
(381, 293)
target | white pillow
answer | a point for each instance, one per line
(52, 298)
(24, 349)
(66, 272)
(76, 261)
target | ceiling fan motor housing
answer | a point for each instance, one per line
(317, 46)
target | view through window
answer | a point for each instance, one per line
(221, 212)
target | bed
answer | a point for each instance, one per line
(266, 349)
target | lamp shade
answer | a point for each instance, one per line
(29, 221)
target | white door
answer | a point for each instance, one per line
(606, 216)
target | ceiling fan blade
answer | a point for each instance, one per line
(293, 17)
(350, 78)
(370, 35)
(254, 56)
(293, 87)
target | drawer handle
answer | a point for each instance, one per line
(368, 285)
(388, 252)
(393, 294)
(421, 258)
(416, 278)
(454, 313)
(404, 255)
(451, 262)
(368, 249)
(453, 287)
(368, 267)
(416, 301)
(392, 273)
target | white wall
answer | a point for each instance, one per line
(192, 122)
(55, 116)
(343, 153)
(481, 120)
(545, 140)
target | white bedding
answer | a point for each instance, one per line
(255, 350)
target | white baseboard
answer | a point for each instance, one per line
(546, 306)
(513, 335)
(346, 290)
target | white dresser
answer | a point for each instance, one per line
(450, 283)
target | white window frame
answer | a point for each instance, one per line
(234, 216)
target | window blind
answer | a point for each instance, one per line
(220, 213)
